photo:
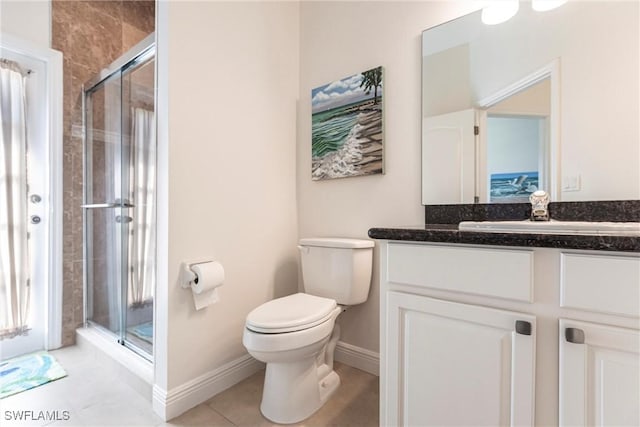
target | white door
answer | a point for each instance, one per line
(599, 375)
(452, 364)
(38, 205)
(449, 138)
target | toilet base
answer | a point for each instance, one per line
(294, 391)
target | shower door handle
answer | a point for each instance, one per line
(107, 205)
(100, 205)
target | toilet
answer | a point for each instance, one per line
(296, 335)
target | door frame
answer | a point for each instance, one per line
(52, 60)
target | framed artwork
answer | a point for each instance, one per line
(346, 127)
(513, 187)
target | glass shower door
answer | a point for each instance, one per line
(139, 142)
(120, 202)
(104, 205)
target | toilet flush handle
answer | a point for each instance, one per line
(304, 249)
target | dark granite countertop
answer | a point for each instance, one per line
(449, 233)
(442, 225)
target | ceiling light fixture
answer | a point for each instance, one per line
(499, 11)
(544, 5)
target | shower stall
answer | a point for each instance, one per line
(119, 203)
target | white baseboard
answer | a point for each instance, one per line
(358, 357)
(170, 404)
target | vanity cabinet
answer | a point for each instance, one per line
(599, 375)
(456, 364)
(485, 335)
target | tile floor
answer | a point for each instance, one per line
(92, 396)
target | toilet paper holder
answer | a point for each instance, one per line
(187, 275)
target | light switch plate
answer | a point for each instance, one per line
(571, 183)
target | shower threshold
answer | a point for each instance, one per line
(135, 370)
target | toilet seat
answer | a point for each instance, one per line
(291, 313)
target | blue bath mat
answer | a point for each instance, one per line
(143, 331)
(25, 372)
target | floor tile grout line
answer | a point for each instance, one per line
(222, 415)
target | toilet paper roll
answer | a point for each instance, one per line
(209, 276)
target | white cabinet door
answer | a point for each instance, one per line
(447, 363)
(599, 375)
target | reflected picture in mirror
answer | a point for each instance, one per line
(546, 100)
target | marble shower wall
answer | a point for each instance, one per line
(91, 35)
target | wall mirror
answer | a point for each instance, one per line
(547, 100)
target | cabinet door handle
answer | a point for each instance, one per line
(574, 335)
(523, 327)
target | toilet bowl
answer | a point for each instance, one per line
(292, 335)
(296, 335)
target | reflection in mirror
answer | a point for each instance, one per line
(494, 129)
(517, 143)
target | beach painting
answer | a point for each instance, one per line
(515, 187)
(346, 127)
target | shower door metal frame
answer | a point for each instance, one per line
(138, 55)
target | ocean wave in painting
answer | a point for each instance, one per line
(347, 141)
(330, 130)
(340, 162)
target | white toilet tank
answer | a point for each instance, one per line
(337, 268)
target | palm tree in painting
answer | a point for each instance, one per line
(372, 79)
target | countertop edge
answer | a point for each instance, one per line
(440, 234)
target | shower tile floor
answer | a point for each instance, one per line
(91, 397)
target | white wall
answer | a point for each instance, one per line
(534, 100)
(338, 39)
(28, 19)
(513, 145)
(446, 81)
(227, 115)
